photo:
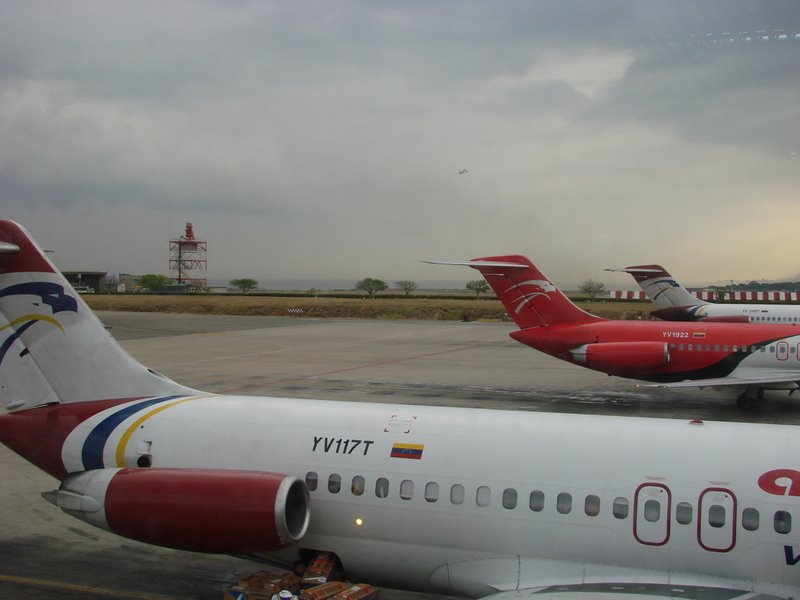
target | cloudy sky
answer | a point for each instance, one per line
(321, 141)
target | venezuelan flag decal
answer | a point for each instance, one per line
(699, 334)
(407, 451)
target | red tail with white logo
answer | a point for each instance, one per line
(530, 298)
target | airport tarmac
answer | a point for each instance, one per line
(47, 554)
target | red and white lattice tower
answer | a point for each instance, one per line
(187, 260)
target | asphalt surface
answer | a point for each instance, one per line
(47, 554)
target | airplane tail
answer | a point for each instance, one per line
(661, 287)
(530, 298)
(53, 349)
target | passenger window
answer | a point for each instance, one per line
(716, 515)
(431, 491)
(652, 511)
(683, 513)
(680, 346)
(406, 489)
(334, 483)
(620, 508)
(311, 480)
(716, 347)
(509, 498)
(457, 494)
(783, 522)
(750, 519)
(382, 487)
(564, 503)
(536, 501)
(483, 496)
(591, 506)
(357, 486)
(690, 347)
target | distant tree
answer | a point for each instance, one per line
(245, 284)
(406, 286)
(153, 282)
(371, 285)
(592, 288)
(479, 286)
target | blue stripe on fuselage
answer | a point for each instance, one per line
(93, 447)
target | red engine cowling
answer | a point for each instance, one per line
(624, 357)
(220, 511)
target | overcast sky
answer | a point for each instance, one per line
(322, 141)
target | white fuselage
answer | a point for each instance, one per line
(516, 499)
(778, 314)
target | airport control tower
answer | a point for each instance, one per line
(187, 260)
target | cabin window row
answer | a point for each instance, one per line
(620, 506)
(775, 319)
(723, 347)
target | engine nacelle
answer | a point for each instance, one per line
(220, 511)
(624, 357)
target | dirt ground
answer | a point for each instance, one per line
(356, 308)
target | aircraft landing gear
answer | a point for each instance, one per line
(748, 399)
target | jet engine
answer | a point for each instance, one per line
(203, 510)
(623, 357)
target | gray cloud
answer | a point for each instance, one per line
(321, 140)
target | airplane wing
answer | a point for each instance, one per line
(629, 591)
(776, 380)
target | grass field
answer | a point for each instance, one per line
(352, 308)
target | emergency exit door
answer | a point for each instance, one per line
(716, 523)
(652, 504)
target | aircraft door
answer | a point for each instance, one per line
(716, 520)
(652, 505)
(782, 350)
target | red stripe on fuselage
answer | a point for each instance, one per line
(38, 434)
(559, 340)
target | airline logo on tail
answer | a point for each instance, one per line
(541, 287)
(51, 294)
(663, 285)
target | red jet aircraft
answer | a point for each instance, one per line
(751, 356)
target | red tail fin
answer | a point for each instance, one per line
(529, 297)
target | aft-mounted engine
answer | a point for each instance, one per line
(623, 357)
(203, 510)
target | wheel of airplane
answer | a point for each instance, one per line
(744, 402)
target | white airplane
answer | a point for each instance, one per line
(481, 503)
(675, 303)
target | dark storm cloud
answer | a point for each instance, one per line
(314, 130)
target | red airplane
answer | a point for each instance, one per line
(750, 356)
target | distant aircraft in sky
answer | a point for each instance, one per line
(675, 303)
(458, 501)
(752, 357)
(463, 171)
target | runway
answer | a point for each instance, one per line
(47, 554)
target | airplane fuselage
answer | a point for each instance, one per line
(444, 492)
(691, 350)
(770, 314)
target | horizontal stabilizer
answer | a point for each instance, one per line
(634, 270)
(477, 263)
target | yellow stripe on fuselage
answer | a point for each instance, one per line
(26, 318)
(123, 441)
